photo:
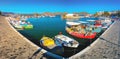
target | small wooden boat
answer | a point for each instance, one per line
(72, 23)
(80, 31)
(106, 23)
(47, 42)
(87, 35)
(83, 22)
(94, 28)
(97, 29)
(21, 24)
(28, 26)
(98, 23)
(18, 26)
(51, 45)
(67, 41)
(91, 22)
(23, 18)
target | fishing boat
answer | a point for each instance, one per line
(87, 35)
(23, 18)
(98, 23)
(73, 23)
(51, 45)
(80, 31)
(26, 25)
(91, 22)
(67, 41)
(30, 26)
(97, 29)
(106, 23)
(83, 22)
(18, 26)
(47, 42)
(93, 28)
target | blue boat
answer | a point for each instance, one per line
(94, 29)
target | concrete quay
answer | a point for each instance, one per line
(107, 46)
(13, 45)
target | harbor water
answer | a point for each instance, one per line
(51, 26)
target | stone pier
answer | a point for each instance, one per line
(13, 45)
(107, 46)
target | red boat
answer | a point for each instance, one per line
(98, 23)
(80, 35)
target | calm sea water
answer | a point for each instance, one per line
(50, 27)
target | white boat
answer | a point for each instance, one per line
(83, 22)
(106, 23)
(67, 41)
(73, 23)
(91, 20)
(23, 18)
(18, 27)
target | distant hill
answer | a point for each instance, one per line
(3, 13)
(83, 13)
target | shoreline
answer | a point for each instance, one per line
(23, 36)
(13, 44)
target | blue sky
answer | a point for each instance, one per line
(40, 6)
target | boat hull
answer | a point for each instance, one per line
(66, 41)
(79, 35)
(28, 27)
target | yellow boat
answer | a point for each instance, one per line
(47, 42)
